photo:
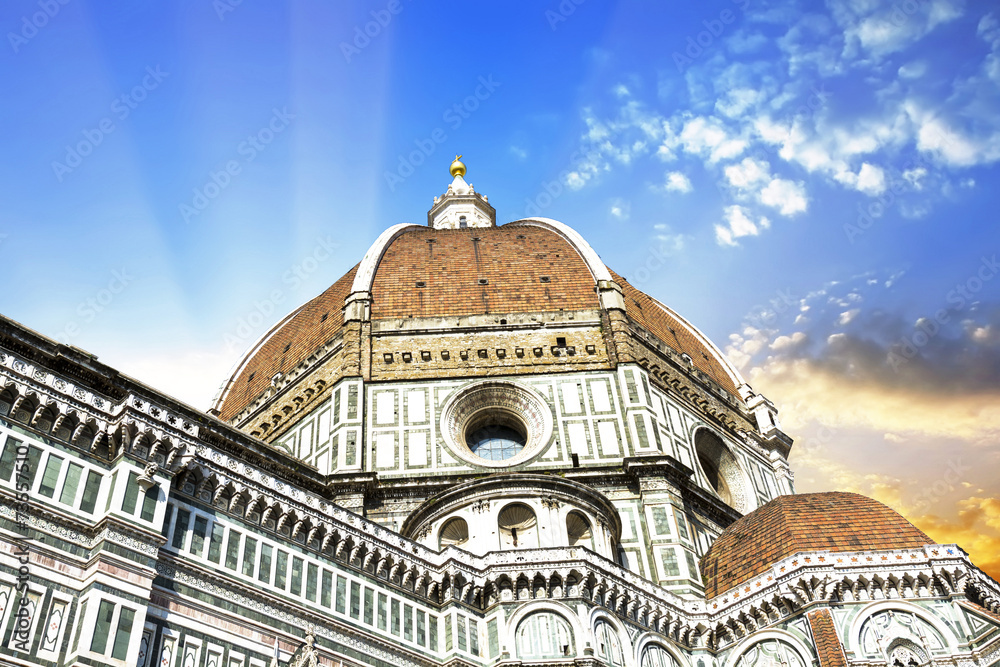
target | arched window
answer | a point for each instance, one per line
(544, 635)
(578, 531)
(454, 532)
(462, 222)
(518, 527)
(771, 653)
(722, 470)
(903, 632)
(609, 646)
(655, 655)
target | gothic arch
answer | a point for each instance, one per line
(803, 652)
(568, 614)
(854, 638)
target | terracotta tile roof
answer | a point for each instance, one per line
(313, 325)
(831, 521)
(827, 642)
(451, 263)
(663, 324)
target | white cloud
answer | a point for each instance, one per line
(786, 196)
(620, 209)
(783, 342)
(871, 180)
(913, 70)
(706, 136)
(847, 317)
(738, 224)
(748, 173)
(677, 182)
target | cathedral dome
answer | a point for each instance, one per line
(833, 521)
(522, 272)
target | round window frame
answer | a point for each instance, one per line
(525, 407)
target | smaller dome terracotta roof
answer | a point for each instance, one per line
(832, 521)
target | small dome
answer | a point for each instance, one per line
(833, 521)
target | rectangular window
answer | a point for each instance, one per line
(9, 458)
(434, 632)
(71, 484)
(295, 588)
(661, 524)
(233, 550)
(264, 573)
(692, 565)
(421, 628)
(682, 525)
(669, 560)
(327, 595)
(131, 493)
(149, 498)
(79, 625)
(341, 595)
(494, 637)
(394, 619)
(355, 600)
(408, 622)
(102, 627)
(48, 486)
(382, 620)
(26, 469)
(281, 569)
(165, 528)
(198, 535)
(369, 606)
(180, 528)
(462, 641)
(473, 636)
(215, 542)
(90, 491)
(125, 619)
(312, 575)
(249, 556)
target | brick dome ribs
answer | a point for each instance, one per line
(833, 521)
(512, 259)
(423, 273)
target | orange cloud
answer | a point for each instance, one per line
(809, 391)
(975, 527)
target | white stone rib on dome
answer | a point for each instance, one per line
(220, 398)
(365, 276)
(591, 258)
(733, 372)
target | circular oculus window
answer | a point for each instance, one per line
(496, 424)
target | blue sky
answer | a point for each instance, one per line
(812, 184)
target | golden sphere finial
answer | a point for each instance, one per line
(457, 167)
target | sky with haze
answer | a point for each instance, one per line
(812, 184)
